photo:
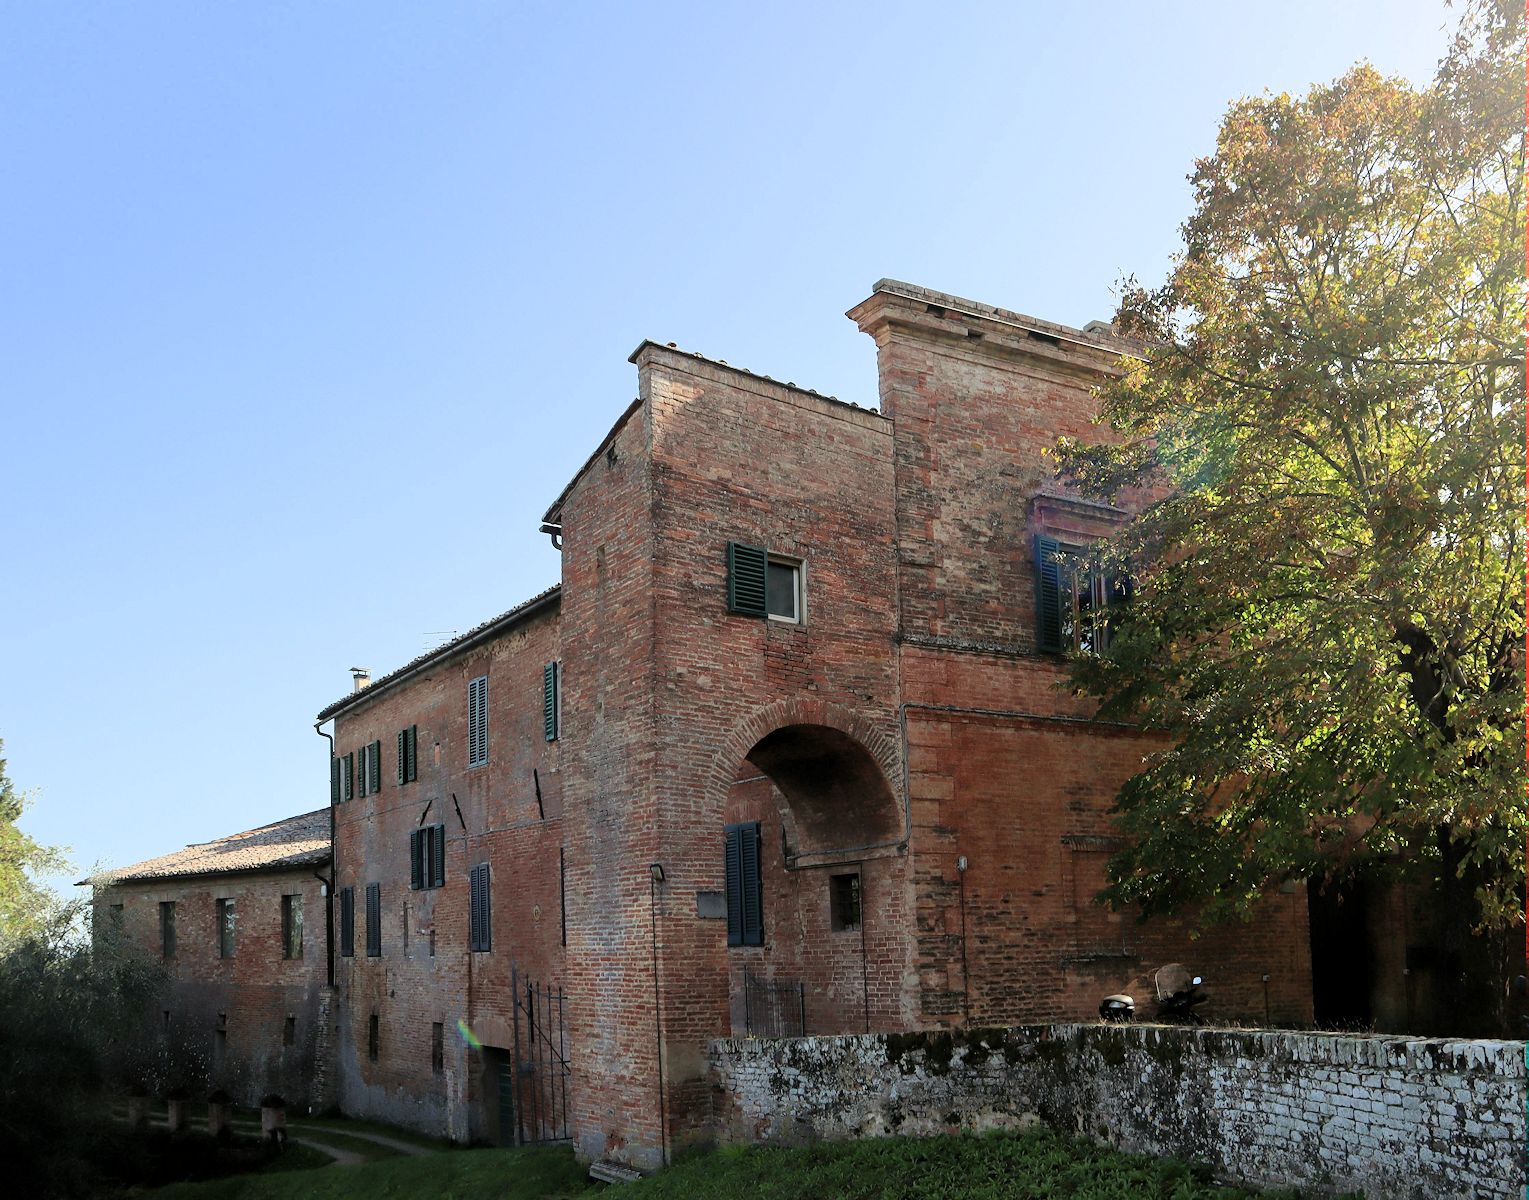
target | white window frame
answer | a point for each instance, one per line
(799, 572)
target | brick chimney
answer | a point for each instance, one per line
(361, 678)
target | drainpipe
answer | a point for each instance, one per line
(333, 866)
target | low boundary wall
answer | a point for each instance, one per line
(1388, 1116)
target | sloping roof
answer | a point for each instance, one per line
(295, 842)
(494, 625)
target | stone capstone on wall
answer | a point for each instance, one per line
(1389, 1116)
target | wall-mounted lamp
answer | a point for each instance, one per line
(961, 864)
(656, 872)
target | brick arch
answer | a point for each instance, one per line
(807, 711)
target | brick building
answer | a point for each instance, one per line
(239, 924)
(784, 751)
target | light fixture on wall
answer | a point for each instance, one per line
(656, 872)
(961, 864)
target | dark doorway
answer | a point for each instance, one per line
(1341, 969)
(499, 1095)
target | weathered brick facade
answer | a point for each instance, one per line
(245, 1008)
(905, 731)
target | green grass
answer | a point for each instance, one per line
(1012, 1166)
(1000, 1166)
(538, 1173)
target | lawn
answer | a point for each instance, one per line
(1034, 1164)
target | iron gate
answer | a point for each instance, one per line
(773, 1008)
(539, 1085)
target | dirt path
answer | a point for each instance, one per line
(379, 1138)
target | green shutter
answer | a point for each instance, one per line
(412, 745)
(549, 701)
(733, 869)
(334, 780)
(753, 897)
(438, 857)
(746, 566)
(347, 922)
(414, 873)
(1048, 596)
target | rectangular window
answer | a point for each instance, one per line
(408, 754)
(292, 926)
(373, 1038)
(347, 922)
(479, 929)
(761, 584)
(427, 857)
(437, 1048)
(289, 1032)
(226, 928)
(551, 701)
(1073, 598)
(369, 769)
(745, 895)
(373, 920)
(477, 721)
(844, 902)
(167, 928)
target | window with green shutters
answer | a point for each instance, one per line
(745, 891)
(369, 769)
(347, 776)
(765, 585)
(408, 755)
(427, 857)
(374, 920)
(347, 922)
(479, 923)
(477, 721)
(551, 701)
(1073, 599)
(334, 781)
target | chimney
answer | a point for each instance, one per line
(361, 678)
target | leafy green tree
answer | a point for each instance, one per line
(26, 905)
(1327, 424)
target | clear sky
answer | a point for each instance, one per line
(308, 311)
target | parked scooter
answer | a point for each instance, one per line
(1179, 994)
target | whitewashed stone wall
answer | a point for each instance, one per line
(1386, 1116)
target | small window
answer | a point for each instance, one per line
(369, 769)
(477, 721)
(347, 922)
(783, 590)
(761, 584)
(167, 928)
(226, 928)
(427, 857)
(745, 896)
(373, 1038)
(1074, 599)
(479, 939)
(289, 1032)
(408, 755)
(844, 902)
(552, 700)
(437, 1048)
(373, 920)
(292, 926)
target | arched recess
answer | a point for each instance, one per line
(835, 769)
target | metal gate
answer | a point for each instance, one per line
(773, 1008)
(539, 1087)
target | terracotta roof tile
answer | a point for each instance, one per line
(294, 842)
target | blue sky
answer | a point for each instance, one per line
(307, 311)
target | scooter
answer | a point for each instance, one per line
(1179, 994)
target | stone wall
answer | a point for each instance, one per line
(1388, 1116)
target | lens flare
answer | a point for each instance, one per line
(468, 1035)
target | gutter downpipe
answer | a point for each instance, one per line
(333, 866)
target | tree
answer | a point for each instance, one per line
(26, 905)
(1327, 423)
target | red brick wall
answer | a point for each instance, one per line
(256, 990)
(491, 815)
